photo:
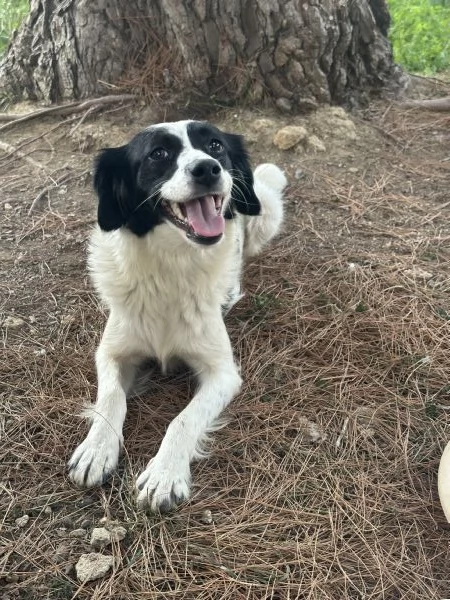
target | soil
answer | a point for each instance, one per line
(367, 231)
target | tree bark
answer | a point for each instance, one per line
(298, 53)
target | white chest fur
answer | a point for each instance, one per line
(164, 291)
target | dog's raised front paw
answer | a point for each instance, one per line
(94, 459)
(162, 487)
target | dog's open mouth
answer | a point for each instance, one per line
(201, 218)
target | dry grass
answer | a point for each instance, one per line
(325, 342)
(323, 485)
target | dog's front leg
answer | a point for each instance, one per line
(166, 480)
(98, 454)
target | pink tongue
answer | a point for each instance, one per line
(203, 218)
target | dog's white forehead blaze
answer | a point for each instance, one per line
(188, 154)
(178, 128)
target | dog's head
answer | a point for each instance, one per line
(187, 174)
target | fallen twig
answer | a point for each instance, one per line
(68, 109)
(343, 433)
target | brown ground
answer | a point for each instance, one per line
(323, 485)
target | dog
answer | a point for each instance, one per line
(179, 209)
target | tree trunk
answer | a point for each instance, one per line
(298, 53)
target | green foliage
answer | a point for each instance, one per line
(11, 14)
(420, 34)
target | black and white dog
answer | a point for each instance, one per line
(179, 208)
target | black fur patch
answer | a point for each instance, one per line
(127, 181)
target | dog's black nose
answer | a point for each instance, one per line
(206, 172)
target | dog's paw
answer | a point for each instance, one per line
(162, 486)
(271, 176)
(94, 459)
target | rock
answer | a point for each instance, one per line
(85, 524)
(22, 521)
(66, 522)
(87, 501)
(299, 174)
(48, 510)
(93, 566)
(315, 144)
(78, 533)
(284, 104)
(206, 517)
(333, 121)
(13, 322)
(289, 136)
(7, 206)
(102, 536)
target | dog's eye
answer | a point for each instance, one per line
(159, 154)
(215, 147)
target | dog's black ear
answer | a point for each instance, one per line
(114, 184)
(243, 194)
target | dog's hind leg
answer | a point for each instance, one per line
(269, 183)
(98, 454)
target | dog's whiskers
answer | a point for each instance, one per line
(155, 193)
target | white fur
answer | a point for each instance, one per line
(165, 298)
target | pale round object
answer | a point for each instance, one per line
(444, 482)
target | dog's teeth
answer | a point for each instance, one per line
(177, 211)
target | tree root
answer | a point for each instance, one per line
(437, 104)
(64, 110)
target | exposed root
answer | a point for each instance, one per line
(67, 109)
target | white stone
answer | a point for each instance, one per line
(102, 536)
(207, 517)
(13, 322)
(93, 566)
(22, 521)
